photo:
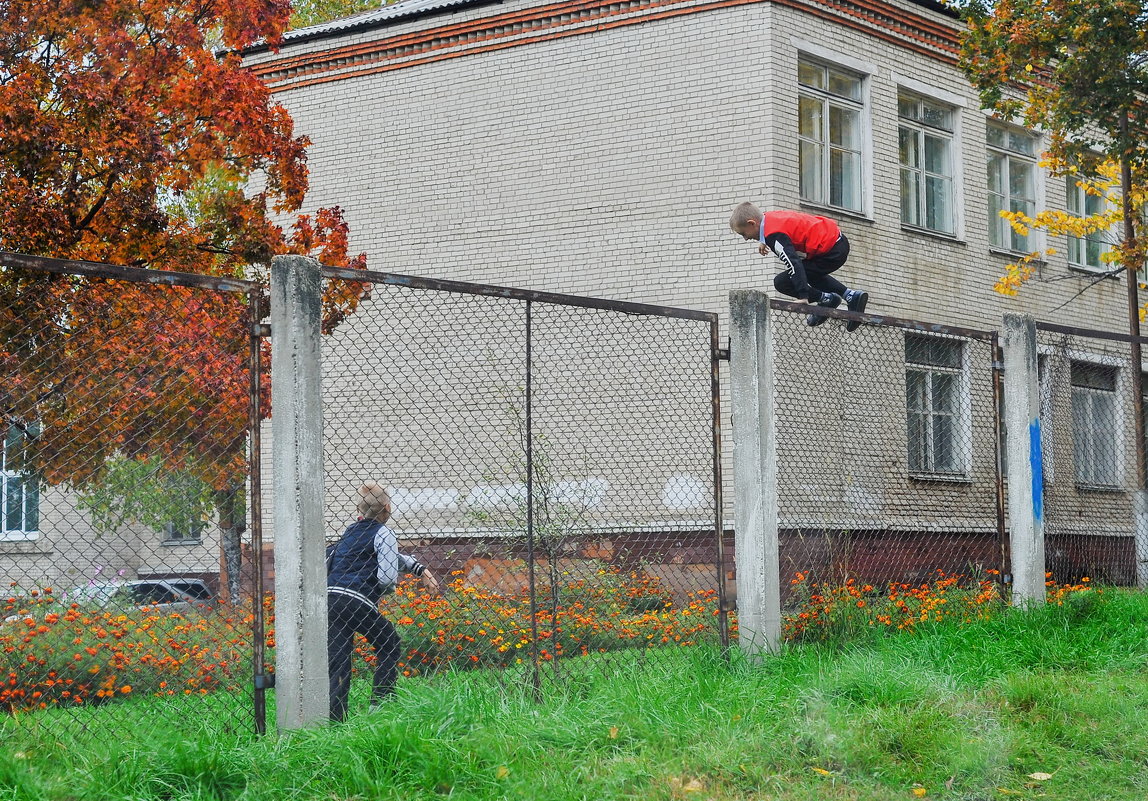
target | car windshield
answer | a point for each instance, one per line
(94, 593)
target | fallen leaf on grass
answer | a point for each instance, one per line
(822, 771)
(1006, 791)
(613, 733)
(920, 792)
(691, 786)
(502, 772)
(1040, 777)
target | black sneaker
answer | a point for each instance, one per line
(832, 303)
(856, 304)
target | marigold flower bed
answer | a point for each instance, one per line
(828, 611)
(471, 627)
(52, 654)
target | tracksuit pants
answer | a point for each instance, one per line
(346, 615)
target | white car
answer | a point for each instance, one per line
(167, 595)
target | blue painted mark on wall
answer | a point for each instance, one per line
(1036, 460)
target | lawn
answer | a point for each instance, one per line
(1048, 704)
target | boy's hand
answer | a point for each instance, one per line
(431, 583)
(763, 249)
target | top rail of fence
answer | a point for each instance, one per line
(1090, 333)
(490, 290)
(883, 320)
(136, 274)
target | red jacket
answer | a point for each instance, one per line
(812, 235)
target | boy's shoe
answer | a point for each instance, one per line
(856, 303)
(832, 302)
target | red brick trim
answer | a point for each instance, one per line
(551, 22)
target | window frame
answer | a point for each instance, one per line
(961, 414)
(173, 535)
(920, 130)
(1118, 421)
(1031, 241)
(816, 57)
(1074, 192)
(7, 478)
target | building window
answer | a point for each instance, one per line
(830, 159)
(186, 532)
(185, 497)
(1094, 424)
(934, 379)
(19, 487)
(1012, 184)
(1085, 251)
(925, 140)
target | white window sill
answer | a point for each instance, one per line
(853, 215)
(19, 536)
(1016, 255)
(1107, 488)
(941, 235)
(941, 478)
(1093, 272)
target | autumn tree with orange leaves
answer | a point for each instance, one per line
(130, 134)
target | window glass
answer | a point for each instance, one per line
(830, 135)
(1011, 172)
(844, 84)
(933, 387)
(1095, 424)
(19, 486)
(810, 75)
(1085, 251)
(925, 148)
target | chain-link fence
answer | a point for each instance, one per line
(551, 460)
(887, 459)
(125, 405)
(1090, 453)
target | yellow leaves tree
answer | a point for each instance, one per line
(1096, 224)
(1077, 69)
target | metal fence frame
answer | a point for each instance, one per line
(531, 297)
(991, 338)
(253, 290)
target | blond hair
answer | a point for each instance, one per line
(373, 499)
(743, 214)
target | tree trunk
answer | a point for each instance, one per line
(232, 524)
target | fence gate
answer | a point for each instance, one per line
(555, 459)
(126, 400)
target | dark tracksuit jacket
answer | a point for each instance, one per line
(819, 238)
(362, 567)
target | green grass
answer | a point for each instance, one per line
(959, 712)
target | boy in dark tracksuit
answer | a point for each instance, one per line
(784, 233)
(361, 567)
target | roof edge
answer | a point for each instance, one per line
(368, 23)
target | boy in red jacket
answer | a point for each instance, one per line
(788, 234)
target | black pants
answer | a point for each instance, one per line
(817, 273)
(345, 616)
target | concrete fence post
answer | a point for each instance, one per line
(297, 441)
(1025, 460)
(1140, 536)
(754, 473)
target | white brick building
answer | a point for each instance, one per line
(597, 148)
